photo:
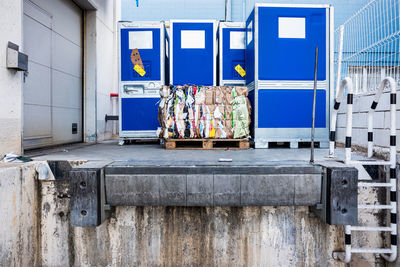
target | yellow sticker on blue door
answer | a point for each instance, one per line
(240, 70)
(139, 70)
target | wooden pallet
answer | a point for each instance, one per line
(206, 144)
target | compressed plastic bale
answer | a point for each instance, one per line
(212, 129)
(166, 110)
(206, 129)
(180, 128)
(219, 111)
(190, 113)
(228, 95)
(190, 99)
(204, 118)
(228, 129)
(200, 97)
(180, 94)
(240, 129)
(165, 91)
(249, 109)
(220, 129)
(193, 129)
(209, 128)
(169, 128)
(209, 95)
(240, 117)
(179, 104)
(185, 112)
(161, 111)
(208, 111)
(228, 112)
(197, 111)
(219, 95)
(178, 111)
(241, 91)
(200, 129)
(187, 130)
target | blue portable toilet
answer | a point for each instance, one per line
(139, 92)
(193, 52)
(231, 53)
(280, 53)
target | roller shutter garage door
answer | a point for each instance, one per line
(52, 38)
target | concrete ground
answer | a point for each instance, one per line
(152, 153)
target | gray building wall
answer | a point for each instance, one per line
(100, 71)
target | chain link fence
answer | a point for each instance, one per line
(367, 46)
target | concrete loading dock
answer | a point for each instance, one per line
(139, 234)
(144, 206)
(132, 176)
(142, 235)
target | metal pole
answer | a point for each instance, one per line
(339, 62)
(228, 10)
(244, 11)
(314, 100)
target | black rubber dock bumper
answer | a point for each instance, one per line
(95, 187)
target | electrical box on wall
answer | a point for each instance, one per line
(15, 59)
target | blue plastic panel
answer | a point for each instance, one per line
(193, 66)
(290, 108)
(231, 57)
(139, 114)
(291, 58)
(150, 58)
(249, 53)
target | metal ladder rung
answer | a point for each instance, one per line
(371, 250)
(366, 184)
(371, 228)
(375, 207)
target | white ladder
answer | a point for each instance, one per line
(389, 254)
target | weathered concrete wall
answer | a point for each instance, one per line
(19, 216)
(35, 231)
(252, 236)
(195, 236)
